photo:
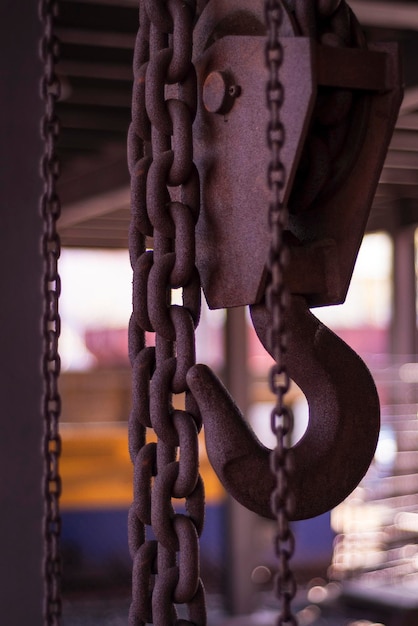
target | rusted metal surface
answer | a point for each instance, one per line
(341, 104)
(51, 324)
(341, 437)
(231, 155)
(165, 206)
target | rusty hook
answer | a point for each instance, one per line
(344, 417)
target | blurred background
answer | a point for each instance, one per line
(359, 563)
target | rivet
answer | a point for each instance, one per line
(219, 92)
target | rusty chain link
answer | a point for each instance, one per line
(50, 210)
(276, 300)
(165, 204)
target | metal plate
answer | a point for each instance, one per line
(232, 156)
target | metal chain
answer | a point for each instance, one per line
(276, 299)
(165, 206)
(50, 210)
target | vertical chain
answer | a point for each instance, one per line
(276, 297)
(50, 210)
(165, 205)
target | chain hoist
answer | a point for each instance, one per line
(325, 87)
(50, 210)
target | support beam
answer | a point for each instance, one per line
(404, 327)
(93, 207)
(101, 39)
(386, 14)
(402, 177)
(404, 140)
(399, 159)
(106, 71)
(21, 468)
(241, 522)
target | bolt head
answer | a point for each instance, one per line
(218, 92)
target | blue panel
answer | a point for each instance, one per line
(314, 540)
(95, 543)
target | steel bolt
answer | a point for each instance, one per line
(219, 92)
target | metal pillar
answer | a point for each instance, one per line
(20, 311)
(240, 520)
(404, 327)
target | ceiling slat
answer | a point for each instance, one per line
(400, 191)
(101, 39)
(398, 176)
(95, 207)
(109, 71)
(404, 140)
(402, 159)
(95, 118)
(386, 14)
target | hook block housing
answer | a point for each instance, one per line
(231, 153)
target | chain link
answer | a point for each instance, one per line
(165, 206)
(50, 210)
(276, 299)
(331, 23)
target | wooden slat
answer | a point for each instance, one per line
(402, 159)
(98, 206)
(404, 140)
(399, 176)
(401, 15)
(124, 3)
(88, 139)
(82, 238)
(400, 191)
(101, 93)
(408, 122)
(109, 71)
(396, 485)
(94, 17)
(89, 53)
(100, 39)
(94, 118)
(406, 462)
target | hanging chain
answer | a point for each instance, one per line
(276, 296)
(50, 209)
(165, 206)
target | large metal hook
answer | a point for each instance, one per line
(344, 417)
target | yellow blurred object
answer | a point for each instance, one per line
(97, 471)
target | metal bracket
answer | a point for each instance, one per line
(232, 157)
